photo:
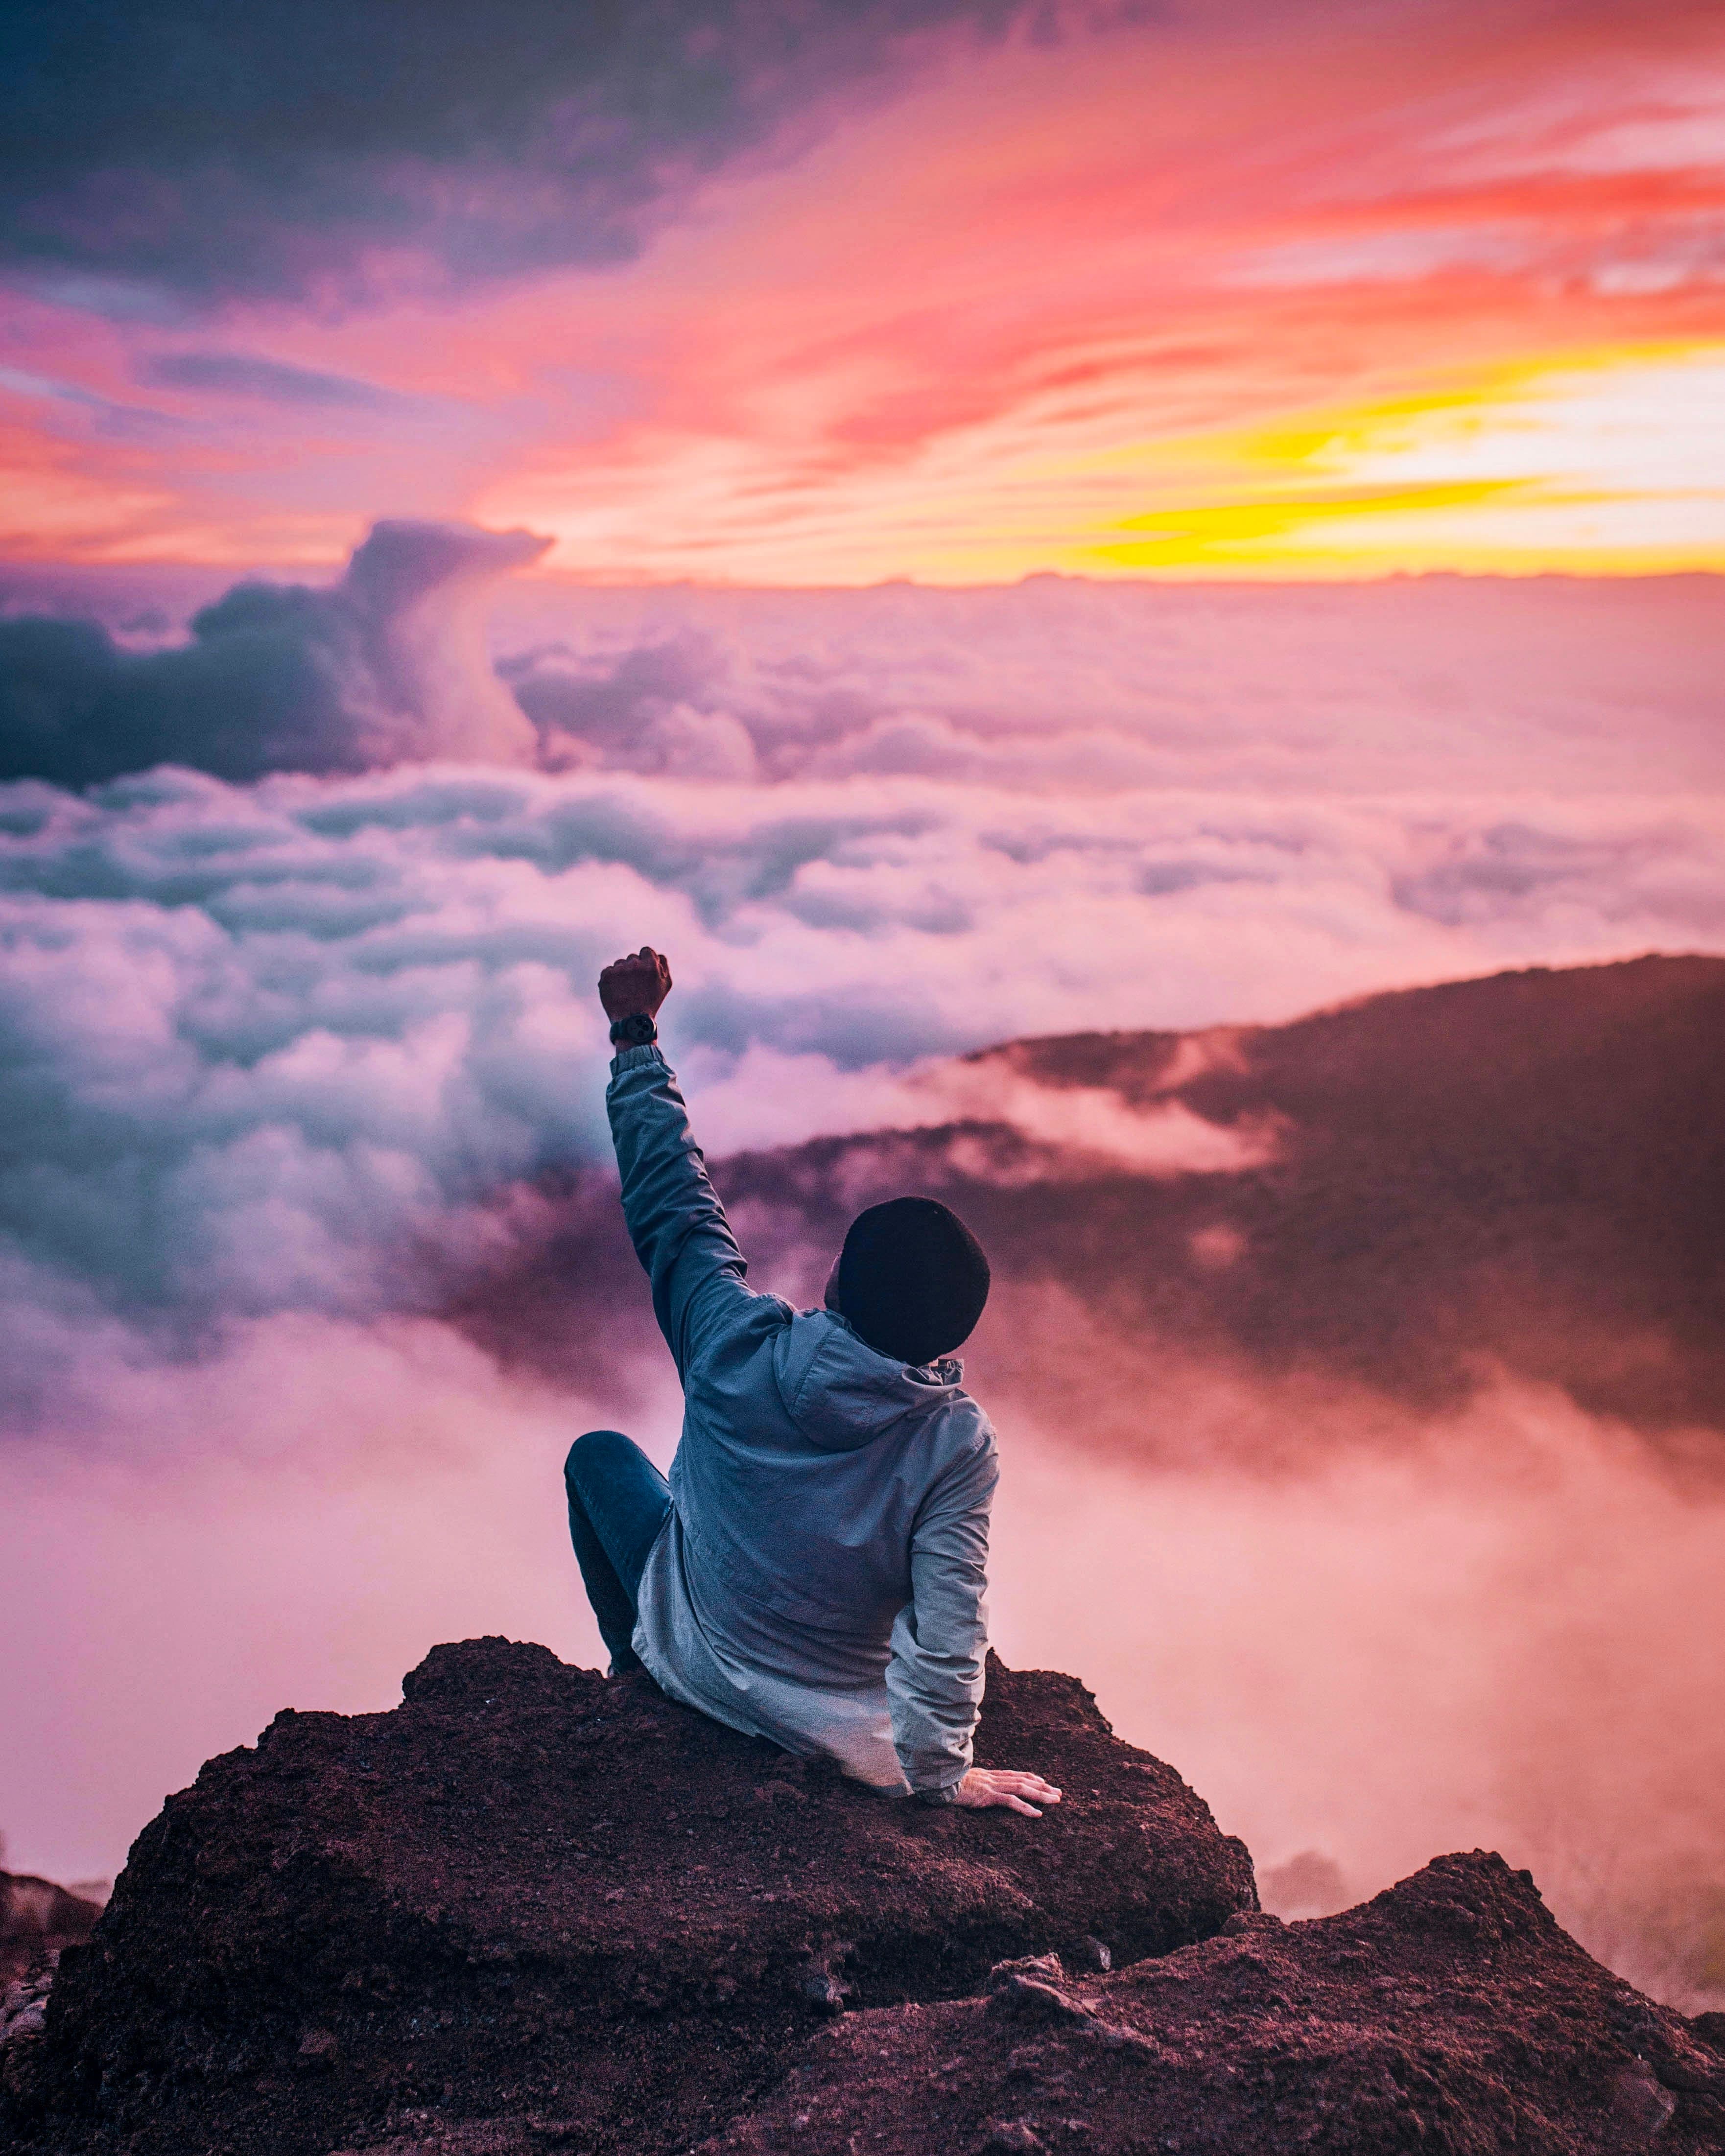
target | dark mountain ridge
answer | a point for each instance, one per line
(1520, 1175)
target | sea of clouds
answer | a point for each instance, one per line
(284, 1014)
(300, 911)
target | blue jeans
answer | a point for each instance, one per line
(618, 1503)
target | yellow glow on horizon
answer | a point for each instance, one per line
(1603, 461)
(1608, 461)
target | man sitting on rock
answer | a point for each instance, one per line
(813, 1572)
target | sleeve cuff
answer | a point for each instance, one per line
(634, 1059)
(947, 1794)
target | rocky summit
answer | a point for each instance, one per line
(1449, 2015)
(532, 1906)
(535, 1909)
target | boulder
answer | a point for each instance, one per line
(535, 1909)
(534, 1902)
(1449, 2015)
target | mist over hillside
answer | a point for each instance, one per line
(1520, 1175)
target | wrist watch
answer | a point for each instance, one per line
(637, 1030)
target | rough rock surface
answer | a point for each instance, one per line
(1450, 2015)
(531, 1908)
(38, 1920)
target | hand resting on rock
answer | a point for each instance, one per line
(986, 1786)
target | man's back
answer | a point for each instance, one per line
(813, 1572)
(821, 1582)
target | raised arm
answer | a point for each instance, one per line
(673, 1213)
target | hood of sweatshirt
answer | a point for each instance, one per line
(841, 1393)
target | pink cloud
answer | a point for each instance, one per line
(1069, 273)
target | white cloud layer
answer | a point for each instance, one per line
(1481, 686)
(265, 1048)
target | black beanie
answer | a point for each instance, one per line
(912, 1279)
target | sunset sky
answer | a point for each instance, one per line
(950, 291)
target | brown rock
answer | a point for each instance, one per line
(530, 1892)
(1449, 2015)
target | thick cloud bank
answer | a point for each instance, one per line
(293, 1048)
(1489, 688)
(384, 667)
(298, 1046)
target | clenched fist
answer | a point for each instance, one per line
(635, 986)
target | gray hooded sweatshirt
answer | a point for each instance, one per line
(819, 1579)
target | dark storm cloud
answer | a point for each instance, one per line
(220, 152)
(276, 676)
(234, 374)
